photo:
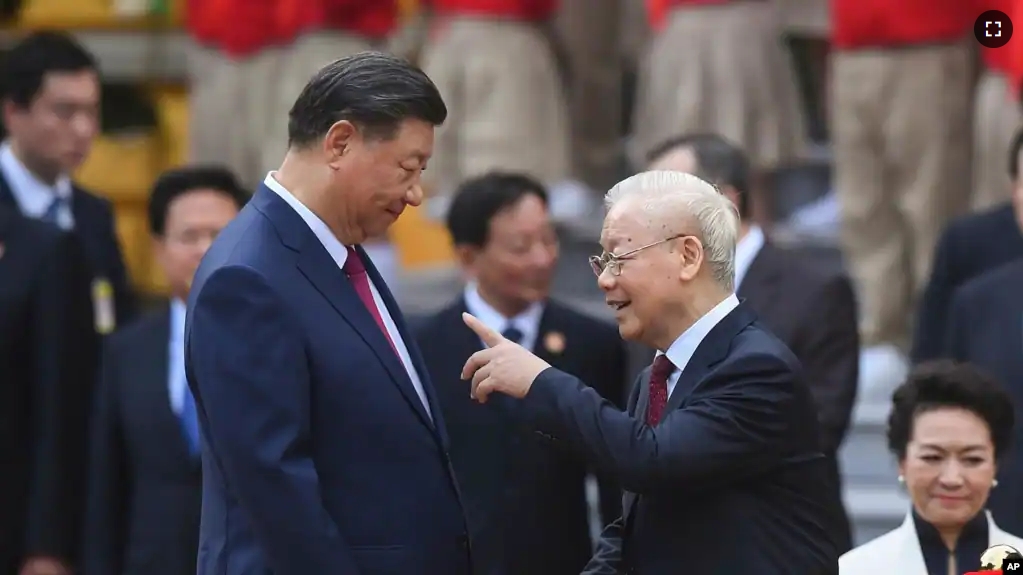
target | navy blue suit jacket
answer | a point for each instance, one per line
(731, 480)
(318, 456)
(95, 228)
(986, 329)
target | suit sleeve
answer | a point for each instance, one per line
(247, 368)
(735, 428)
(67, 349)
(830, 353)
(931, 327)
(609, 492)
(107, 486)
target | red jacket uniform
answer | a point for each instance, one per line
(243, 27)
(529, 10)
(893, 23)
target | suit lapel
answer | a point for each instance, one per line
(711, 350)
(411, 346)
(315, 263)
(549, 335)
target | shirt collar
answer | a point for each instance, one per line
(746, 251)
(683, 348)
(23, 182)
(338, 252)
(527, 322)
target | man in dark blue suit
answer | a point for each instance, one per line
(969, 247)
(323, 450)
(51, 113)
(986, 329)
(519, 493)
(719, 449)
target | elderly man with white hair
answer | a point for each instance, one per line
(718, 450)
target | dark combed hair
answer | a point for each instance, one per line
(479, 199)
(30, 60)
(179, 181)
(373, 90)
(718, 161)
(1014, 150)
(946, 384)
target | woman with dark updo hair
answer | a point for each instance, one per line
(949, 426)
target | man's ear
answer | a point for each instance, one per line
(341, 136)
(690, 254)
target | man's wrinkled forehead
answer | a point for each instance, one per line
(627, 225)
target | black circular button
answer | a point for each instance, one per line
(993, 29)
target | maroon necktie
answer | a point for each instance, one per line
(659, 374)
(356, 272)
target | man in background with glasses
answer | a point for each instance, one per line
(718, 451)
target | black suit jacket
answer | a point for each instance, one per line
(48, 353)
(814, 313)
(970, 246)
(986, 329)
(94, 226)
(731, 481)
(525, 502)
(145, 488)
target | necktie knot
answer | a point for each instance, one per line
(512, 333)
(662, 367)
(53, 210)
(353, 264)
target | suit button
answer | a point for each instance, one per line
(463, 541)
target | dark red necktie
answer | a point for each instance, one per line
(659, 374)
(356, 272)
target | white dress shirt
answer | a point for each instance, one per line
(683, 348)
(746, 251)
(177, 385)
(339, 253)
(527, 322)
(32, 195)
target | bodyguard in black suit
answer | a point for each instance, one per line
(719, 450)
(48, 352)
(812, 310)
(986, 329)
(51, 112)
(145, 485)
(526, 503)
(969, 247)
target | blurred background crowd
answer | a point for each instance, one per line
(871, 146)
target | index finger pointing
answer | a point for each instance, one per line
(490, 337)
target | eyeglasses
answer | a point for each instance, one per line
(613, 263)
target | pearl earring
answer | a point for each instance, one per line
(994, 483)
(902, 479)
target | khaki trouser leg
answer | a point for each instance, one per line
(901, 148)
(505, 100)
(228, 110)
(696, 78)
(299, 63)
(590, 33)
(997, 117)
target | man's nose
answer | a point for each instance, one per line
(606, 281)
(414, 195)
